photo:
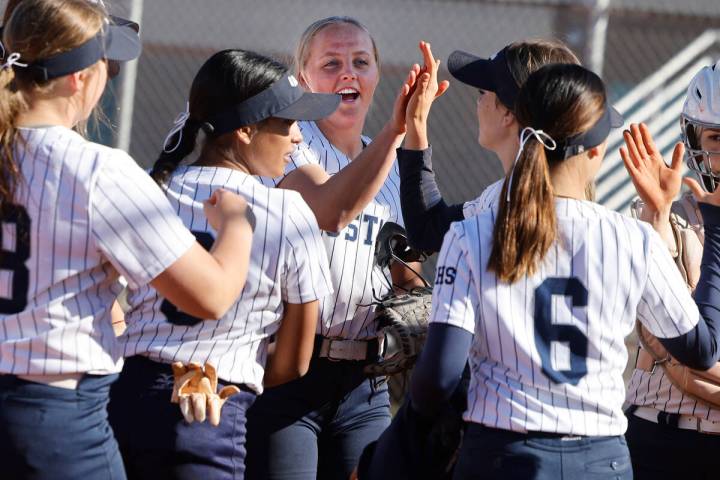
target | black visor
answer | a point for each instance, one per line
(115, 42)
(284, 99)
(491, 74)
(593, 137)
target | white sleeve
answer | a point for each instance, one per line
(307, 273)
(455, 296)
(133, 223)
(666, 307)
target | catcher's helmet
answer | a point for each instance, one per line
(702, 111)
(392, 244)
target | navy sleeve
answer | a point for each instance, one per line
(698, 348)
(440, 367)
(409, 447)
(426, 215)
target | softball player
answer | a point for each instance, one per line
(427, 216)
(534, 292)
(75, 215)
(671, 432)
(247, 106)
(316, 427)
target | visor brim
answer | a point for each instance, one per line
(122, 43)
(124, 22)
(616, 118)
(310, 106)
(471, 70)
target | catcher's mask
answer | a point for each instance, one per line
(701, 112)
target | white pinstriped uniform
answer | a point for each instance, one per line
(487, 199)
(350, 252)
(604, 271)
(93, 213)
(647, 389)
(287, 264)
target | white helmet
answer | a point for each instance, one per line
(701, 110)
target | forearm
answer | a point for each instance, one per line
(426, 215)
(231, 251)
(343, 196)
(205, 284)
(440, 367)
(416, 137)
(699, 348)
(660, 221)
(289, 356)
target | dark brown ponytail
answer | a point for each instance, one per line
(561, 100)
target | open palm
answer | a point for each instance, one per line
(657, 183)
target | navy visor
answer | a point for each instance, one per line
(283, 99)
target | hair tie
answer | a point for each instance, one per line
(177, 128)
(12, 60)
(526, 134)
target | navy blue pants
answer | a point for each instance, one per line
(663, 452)
(491, 454)
(156, 442)
(316, 426)
(56, 433)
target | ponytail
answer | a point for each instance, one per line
(526, 225)
(184, 140)
(557, 102)
(11, 104)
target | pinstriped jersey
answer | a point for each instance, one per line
(84, 213)
(487, 199)
(654, 389)
(287, 264)
(548, 351)
(357, 281)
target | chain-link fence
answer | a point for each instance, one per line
(178, 35)
(634, 39)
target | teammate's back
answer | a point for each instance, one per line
(65, 230)
(548, 352)
(287, 264)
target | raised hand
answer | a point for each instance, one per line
(656, 183)
(700, 194)
(427, 88)
(402, 99)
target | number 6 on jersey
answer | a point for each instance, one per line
(547, 332)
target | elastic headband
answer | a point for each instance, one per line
(593, 137)
(113, 42)
(71, 61)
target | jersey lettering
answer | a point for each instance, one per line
(547, 332)
(15, 216)
(445, 275)
(352, 231)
